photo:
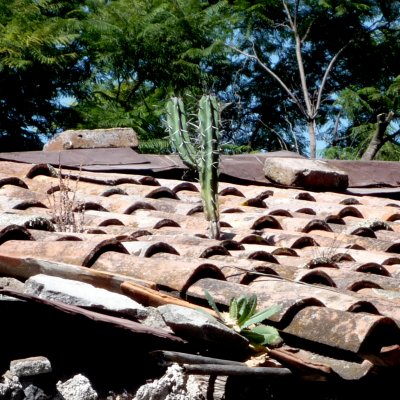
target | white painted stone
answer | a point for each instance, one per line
(81, 294)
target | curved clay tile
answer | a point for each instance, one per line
(230, 244)
(111, 222)
(361, 231)
(185, 186)
(112, 191)
(316, 225)
(306, 210)
(350, 211)
(254, 202)
(138, 205)
(355, 280)
(162, 193)
(83, 253)
(149, 181)
(90, 205)
(305, 196)
(14, 232)
(316, 277)
(280, 212)
(265, 194)
(293, 241)
(334, 219)
(284, 251)
(231, 191)
(366, 267)
(341, 330)
(149, 249)
(312, 364)
(41, 169)
(29, 221)
(350, 201)
(173, 275)
(266, 222)
(26, 204)
(17, 169)
(214, 251)
(196, 209)
(166, 222)
(253, 239)
(13, 181)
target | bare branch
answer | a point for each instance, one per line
(289, 16)
(325, 77)
(272, 73)
(307, 32)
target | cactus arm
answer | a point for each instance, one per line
(208, 116)
(178, 132)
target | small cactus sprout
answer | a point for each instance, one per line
(205, 158)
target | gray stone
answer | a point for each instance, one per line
(309, 174)
(81, 294)
(174, 385)
(92, 138)
(11, 388)
(11, 283)
(200, 326)
(31, 366)
(154, 319)
(77, 388)
(34, 393)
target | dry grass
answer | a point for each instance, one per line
(68, 213)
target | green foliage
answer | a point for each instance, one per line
(139, 55)
(39, 62)
(243, 318)
(361, 106)
(202, 156)
(155, 146)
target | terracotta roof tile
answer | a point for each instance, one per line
(331, 260)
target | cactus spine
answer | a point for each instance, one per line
(206, 159)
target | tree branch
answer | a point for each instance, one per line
(325, 77)
(273, 74)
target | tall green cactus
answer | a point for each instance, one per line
(205, 159)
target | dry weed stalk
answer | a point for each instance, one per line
(67, 212)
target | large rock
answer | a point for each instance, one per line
(174, 385)
(92, 138)
(31, 366)
(309, 174)
(197, 325)
(81, 294)
(77, 388)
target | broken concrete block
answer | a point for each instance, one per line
(30, 366)
(77, 388)
(81, 294)
(92, 138)
(309, 174)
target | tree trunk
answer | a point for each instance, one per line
(377, 141)
(311, 136)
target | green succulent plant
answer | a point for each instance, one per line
(203, 156)
(244, 319)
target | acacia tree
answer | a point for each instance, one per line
(139, 55)
(39, 62)
(372, 116)
(303, 46)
